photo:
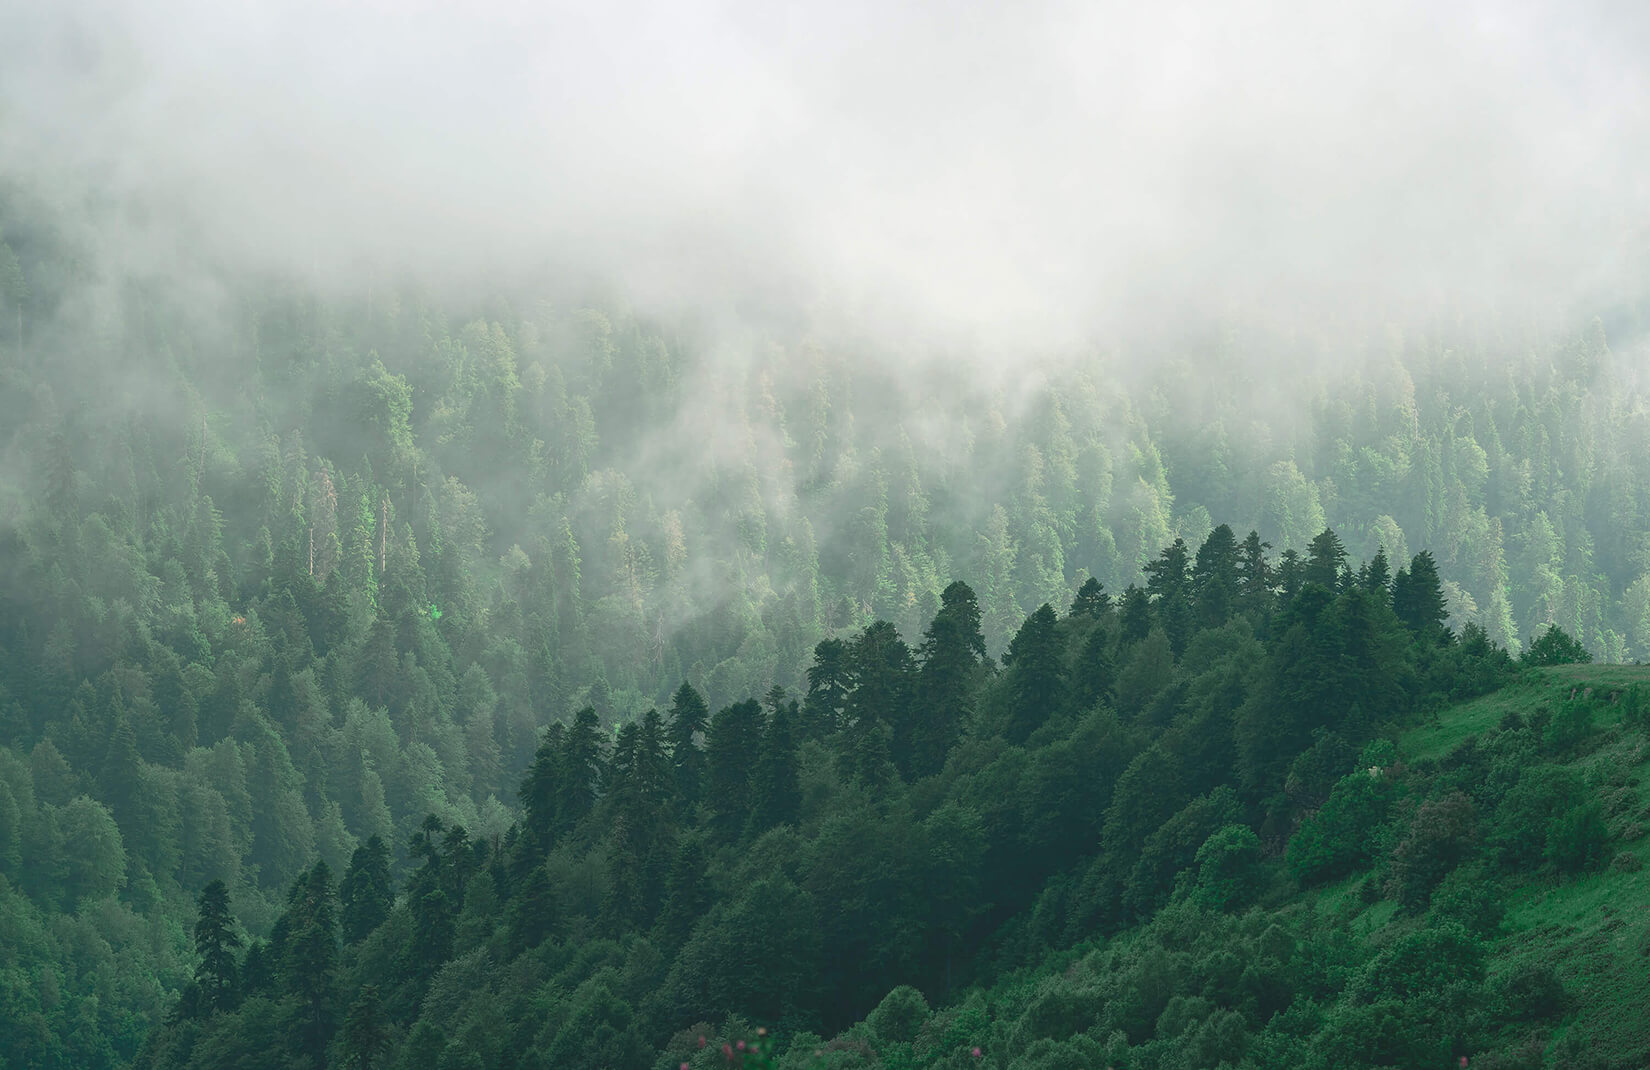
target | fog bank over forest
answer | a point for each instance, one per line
(1000, 179)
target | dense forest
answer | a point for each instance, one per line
(391, 681)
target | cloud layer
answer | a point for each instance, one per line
(1041, 172)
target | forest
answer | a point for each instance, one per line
(386, 684)
(712, 535)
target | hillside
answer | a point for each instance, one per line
(1164, 832)
(1512, 966)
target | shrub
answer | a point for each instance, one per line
(1555, 647)
(1440, 838)
(1336, 840)
(1577, 840)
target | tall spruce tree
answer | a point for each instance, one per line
(216, 942)
(950, 655)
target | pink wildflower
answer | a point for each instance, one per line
(975, 1053)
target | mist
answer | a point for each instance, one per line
(1013, 178)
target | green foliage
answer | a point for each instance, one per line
(397, 558)
(1556, 647)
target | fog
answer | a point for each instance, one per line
(1023, 176)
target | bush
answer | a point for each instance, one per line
(1572, 724)
(1336, 840)
(1555, 647)
(1529, 991)
(1578, 840)
(1440, 838)
(1229, 868)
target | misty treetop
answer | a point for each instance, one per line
(797, 862)
(286, 574)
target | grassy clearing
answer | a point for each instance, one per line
(1593, 930)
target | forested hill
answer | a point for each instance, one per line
(1175, 831)
(284, 570)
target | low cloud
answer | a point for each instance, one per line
(1009, 177)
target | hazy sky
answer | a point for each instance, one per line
(1027, 170)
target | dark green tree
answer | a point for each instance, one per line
(1135, 617)
(1216, 580)
(538, 793)
(950, 655)
(689, 719)
(731, 749)
(830, 678)
(579, 771)
(1418, 599)
(366, 894)
(216, 942)
(366, 1038)
(776, 797)
(1325, 561)
(1036, 674)
(1091, 600)
(1555, 647)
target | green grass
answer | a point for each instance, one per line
(1593, 930)
(1539, 688)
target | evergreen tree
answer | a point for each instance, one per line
(730, 751)
(775, 794)
(952, 649)
(1325, 561)
(1036, 674)
(366, 1040)
(534, 912)
(829, 681)
(365, 894)
(687, 895)
(579, 771)
(1418, 599)
(689, 719)
(1255, 578)
(539, 790)
(1216, 580)
(216, 943)
(1094, 676)
(1169, 584)
(1135, 618)
(1555, 647)
(309, 960)
(1091, 600)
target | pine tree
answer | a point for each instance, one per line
(533, 913)
(1325, 561)
(1036, 674)
(951, 653)
(216, 942)
(1215, 577)
(1418, 599)
(829, 680)
(365, 894)
(309, 960)
(366, 1039)
(1254, 577)
(579, 771)
(689, 719)
(1135, 617)
(1091, 600)
(687, 893)
(776, 795)
(730, 751)
(538, 791)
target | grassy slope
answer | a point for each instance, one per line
(1595, 929)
